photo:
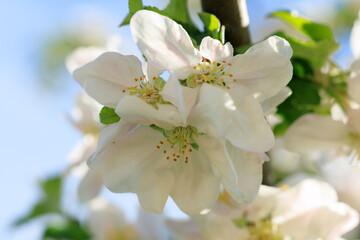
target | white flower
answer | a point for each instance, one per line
(345, 179)
(309, 211)
(263, 70)
(112, 76)
(85, 117)
(107, 222)
(316, 132)
(138, 158)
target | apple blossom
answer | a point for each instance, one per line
(85, 118)
(174, 158)
(112, 75)
(309, 210)
(263, 70)
(107, 222)
(316, 132)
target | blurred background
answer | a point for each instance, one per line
(38, 92)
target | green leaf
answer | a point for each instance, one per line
(177, 10)
(135, 5)
(69, 229)
(108, 116)
(316, 52)
(49, 202)
(211, 24)
(126, 21)
(316, 31)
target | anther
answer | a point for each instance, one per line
(123, 90)
(161, 142)
(229, 64)
(113, 142)
(136, 79)
(157, 146)
(164, 151)
(154, 78)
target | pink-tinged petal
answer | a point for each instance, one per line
(154, 199)
(184, 98)
(105, 78)
(325, 222)
(90, 186)
(164, 42)
(196, 187)
(354, 81)
(134, 110)
(265, 68)
(315, 132)
(214, 50)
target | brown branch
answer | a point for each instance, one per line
(230, 15)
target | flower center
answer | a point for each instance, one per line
(179, 143)
(212, 73)
(147, 90)
(260, 230)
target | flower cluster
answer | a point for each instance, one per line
(202, 128)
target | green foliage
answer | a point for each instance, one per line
(108, 116)
(320, 44)
(69, 229)
(211, 23)
(49, 202)
(135, 5)
(304, 99)
(177, 10)
(315, 31)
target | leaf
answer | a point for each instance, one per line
(108, 116)
(69, 229)
(135, 5)
(177, 10)
(211, 25)
(126, 20)
(316, 52)
(194, 145)
(316, 31)
(49, 202)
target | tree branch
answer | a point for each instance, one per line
(233, 16)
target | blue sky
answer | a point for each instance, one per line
(35, 136)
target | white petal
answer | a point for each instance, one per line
(134, 110)
(325, 222)
(196, 188)
(354, 81)
(265, 68)
(117, 131)
(248, 166)
(214, 50)
(183, 98)
(254, 133)
(164, 42)
(154, 199)
(269, 105)
(307, 195)
(315, 132)
(90, 186)
(106, 77)
(132, 162)
(239, 119)
(355, 38)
